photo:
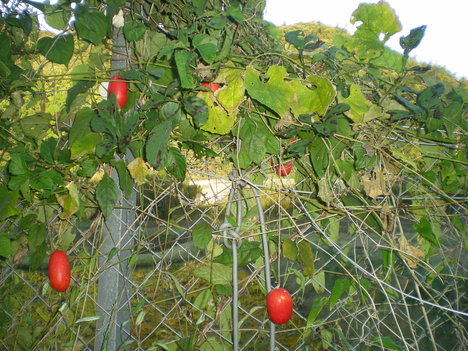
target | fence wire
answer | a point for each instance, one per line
(180, 299)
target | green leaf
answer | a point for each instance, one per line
(282, 96)
(430, 96)
(339, 288)
(306, 258)
(214, 273)
(88, 168)
(348, 173)
(388, 343)
(80, 87)
(125, 179)
(389, 59)
(424, 229)
(183, 59)
(253, 148)
(57, 16)
(46, 181)
(90, 25)
(156, 145)
(175, 163)
(206, 45)
(81, 124)
(364, 285)
(85, 145)
(201, 234)
(82, 72)
(4, 70)
(134, 30)
(34, 126)
(300, 41)
(171, 111)
(107, 195)
(358, 104)
(105, 122)
(199, 6)
(36, 236)
(377, 20)
(235, 14)
(275, 94)
(217, 22)
(317, 306)
(38, 256)
(248, 252)
(412, 40)
(17, 165)
(48, 149)
(58, 49)
(87, 319)
(177, 284)
(223, 289)
(388, 259)
(198, 109)
(232, 94)
(5, 246)
(319, 156)
(289, 249)
(105, 149)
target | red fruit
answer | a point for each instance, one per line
(212, 86)
(283, 169)
(59, 271)
(279, 305)
(119, 87)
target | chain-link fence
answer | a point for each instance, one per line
(141, 281)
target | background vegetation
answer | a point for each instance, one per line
(367, 232)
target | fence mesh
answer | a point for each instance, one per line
(366, 290)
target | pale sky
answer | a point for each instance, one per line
(445, 42)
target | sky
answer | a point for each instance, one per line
(445, 42)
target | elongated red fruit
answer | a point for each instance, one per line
(59, 271)
(119, 88)
(283, 169)
(212, 86)
(279, 305)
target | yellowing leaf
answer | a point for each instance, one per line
(274, 94)
(312, 100)
(70, 202)
(219, 122)
(375, 185)
(97, 176)
(358, 104)
(282, 96)
(410, 253)
(325, 192)
(138, 170)
(232, 95)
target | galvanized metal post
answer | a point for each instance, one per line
(114, 288)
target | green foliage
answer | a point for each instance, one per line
(371, 129)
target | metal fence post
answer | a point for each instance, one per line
(114, 283)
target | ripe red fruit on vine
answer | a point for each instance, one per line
(59, 271)
(212, 86)
(283, 169)
(279, 305)
(119, 87)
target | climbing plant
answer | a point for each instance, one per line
(372, 137)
